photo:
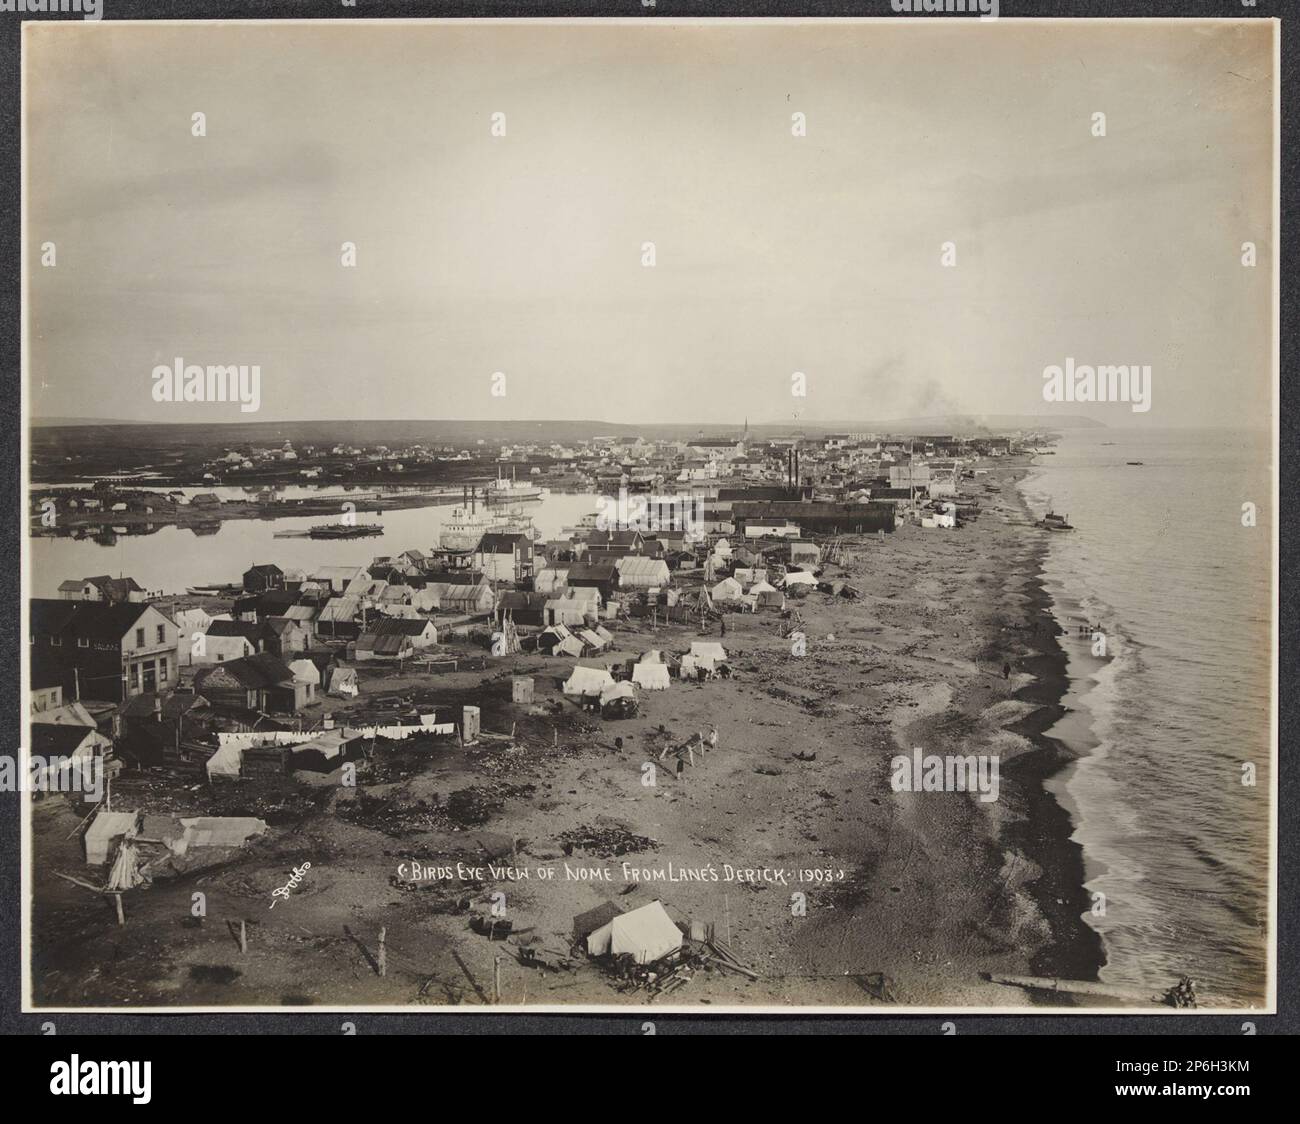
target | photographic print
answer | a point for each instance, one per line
(705, 515)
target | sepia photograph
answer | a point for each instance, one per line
(695, 515)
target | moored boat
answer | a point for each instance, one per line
(346, 530)
(1053, 522)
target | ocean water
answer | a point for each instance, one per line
(1178, 702)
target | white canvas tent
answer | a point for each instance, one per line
(727, 590)
(642, 573)
(651, 676)
(594, 642)
(708, 650)
(621, 690)
(587, 681)
(569, 646)
(799, 577)
(343, 683)
(647, 934)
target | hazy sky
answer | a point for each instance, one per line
(774, 253)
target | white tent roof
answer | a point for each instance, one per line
(647, 934)
(621, 690)
(728, 589)
(343, 681)
(651, 676)
(709, 650)
(569, 646)
(800, 577)
(587, 681)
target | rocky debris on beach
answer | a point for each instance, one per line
(604, 842)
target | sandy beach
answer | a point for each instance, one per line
(928, 889)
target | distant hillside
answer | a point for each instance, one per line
(70, 423)
(467, 432)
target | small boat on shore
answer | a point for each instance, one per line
(1133, 462)
(1053, 522)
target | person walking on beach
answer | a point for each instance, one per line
(1006, 671)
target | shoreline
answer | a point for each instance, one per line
(1078, 950)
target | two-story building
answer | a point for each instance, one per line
(104, 651)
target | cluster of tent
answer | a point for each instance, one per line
(759, 594)
(558, 640)
(596, 683)
(652, 672)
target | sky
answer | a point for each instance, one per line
(773, 253)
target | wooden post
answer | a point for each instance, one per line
(496, 979)
(243, 935)
(117, 902)
(383, 952)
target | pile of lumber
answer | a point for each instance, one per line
(723, 957)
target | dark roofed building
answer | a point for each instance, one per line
(824, 518)
(524, 608)
(260, 682)
(601, 574)
(396, 638)
(504, 557)
(155, 729)
(263, 576)
(275, 602)
(102, 650)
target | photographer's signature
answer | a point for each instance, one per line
(294, 879)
